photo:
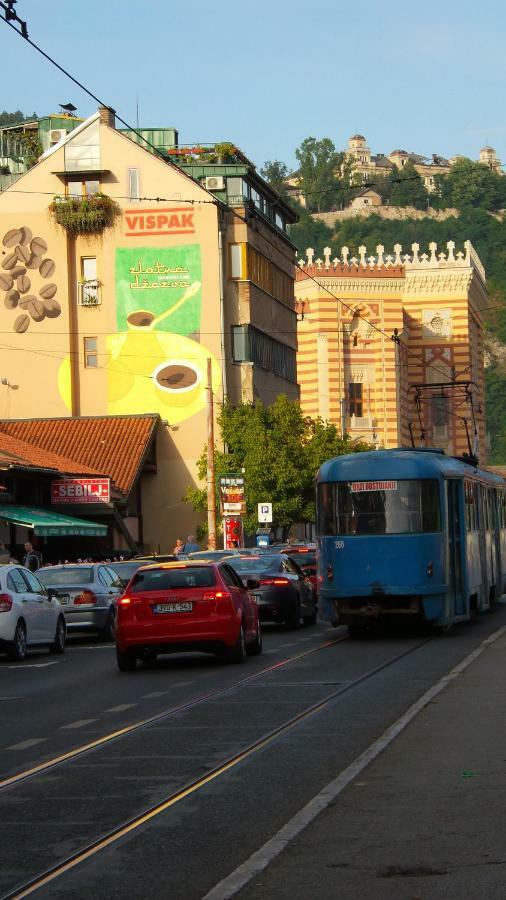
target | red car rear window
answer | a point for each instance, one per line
(169, 579)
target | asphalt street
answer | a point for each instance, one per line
(51, 706)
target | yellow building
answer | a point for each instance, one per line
(115, 308)
(390, 347)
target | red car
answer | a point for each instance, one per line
(186, 606)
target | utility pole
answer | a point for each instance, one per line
(211, 478)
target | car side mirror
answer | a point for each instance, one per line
(252, 584)
(51, 593)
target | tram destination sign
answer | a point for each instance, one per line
(358, 487)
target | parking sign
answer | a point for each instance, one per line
(265, 512)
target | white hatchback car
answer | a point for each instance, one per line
(30, 616)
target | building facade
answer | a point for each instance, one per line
(391, 346)
(114, 302)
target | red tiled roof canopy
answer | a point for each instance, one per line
(113, 445)
(17, 452)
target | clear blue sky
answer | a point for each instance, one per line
(267, 74)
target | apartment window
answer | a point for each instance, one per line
(91, 352)
(266, 275)
(237, 261)
(356, 398)
(251, 345)
(88, 285)
(82, 187)
(133, 184)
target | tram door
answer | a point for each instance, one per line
(455, 574)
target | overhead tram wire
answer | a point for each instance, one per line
(23, 33)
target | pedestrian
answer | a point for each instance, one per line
(190, 545)
(5, 556)
(178, 548)
(32, 558)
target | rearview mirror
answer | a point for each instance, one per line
(51, 593)
(252, 584)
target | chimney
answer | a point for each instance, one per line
(107, 116)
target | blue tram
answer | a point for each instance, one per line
(408, 533)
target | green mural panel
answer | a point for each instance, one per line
(159, 288)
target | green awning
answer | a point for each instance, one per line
(50, 524)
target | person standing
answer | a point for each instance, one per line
(178, 548)
(190, 545)
(32, 558)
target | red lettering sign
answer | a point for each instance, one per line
(178, 220)
(81, 490)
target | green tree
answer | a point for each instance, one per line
(309, 232)
(471, 184)
(324, 174)
(275, 173)
(407, 187)
(15, 118)
(280, 451)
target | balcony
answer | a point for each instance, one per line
(88, 293)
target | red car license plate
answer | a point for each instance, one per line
(181, 606)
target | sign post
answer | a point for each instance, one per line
(265, 513)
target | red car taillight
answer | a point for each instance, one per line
(220, 596)
(5, 603)
(87, 598)
(124, 601)
(283, 581)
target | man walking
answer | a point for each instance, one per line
(190, 545)
(32, 558)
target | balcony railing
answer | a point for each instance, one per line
(88, 293)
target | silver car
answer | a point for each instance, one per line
(88, 593)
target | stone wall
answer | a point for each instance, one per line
(385, 212)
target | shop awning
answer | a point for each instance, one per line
(50, 524)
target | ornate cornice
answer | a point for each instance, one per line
(437, 282)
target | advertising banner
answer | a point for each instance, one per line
(159, 289)
(81, 490)
(232, 495)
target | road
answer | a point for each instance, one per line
(222, 756)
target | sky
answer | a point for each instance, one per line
(267, 74)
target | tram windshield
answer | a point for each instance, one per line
(378, 507)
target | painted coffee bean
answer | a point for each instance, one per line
(11, 299)
(47, 291)
(12, 237)
(34, 262)
(52, 308)
(10, 261)
(17, 271)
(6, 282)
(21, 323)
(34, 307)
(22, 253)
(23, 284)
(26, 235)
(38, 246)
(47, 268)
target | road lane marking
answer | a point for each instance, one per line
(79, 724)
(258, 861)
(24, 745)
(121, 708)
(34, 665)
(157, 717)
(154, 694)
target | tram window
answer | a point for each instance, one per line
(471, 508)
(409, 508)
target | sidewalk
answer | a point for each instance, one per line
(426, 820)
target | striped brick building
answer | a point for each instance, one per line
(390, 347)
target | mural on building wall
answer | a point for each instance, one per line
(25, 279)
(155, 362)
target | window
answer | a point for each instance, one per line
(105, 576)
(355, 391)
(406, 507)
(269, 277)
(251, 345)
(78, 187)
(16, 582)
(90, 352)
(33, 583)
(173, 579)
(89, 282)
(237, 259)
(471, 506)
(133, 184)
(439, 410)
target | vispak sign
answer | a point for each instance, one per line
(148, 222)
(81, 490)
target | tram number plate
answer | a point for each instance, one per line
(64, 599)
(173, 607)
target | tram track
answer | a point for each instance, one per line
(192, 785)
(125, 731)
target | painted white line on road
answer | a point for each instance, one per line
(154, 694)
(121, 708)
(259, 861)
(90, 646)
(79, 724)
(24, 745)
(34, 665)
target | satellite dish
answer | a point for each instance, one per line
(68, 108)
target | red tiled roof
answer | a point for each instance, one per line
(112, 445)
(17, 452)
